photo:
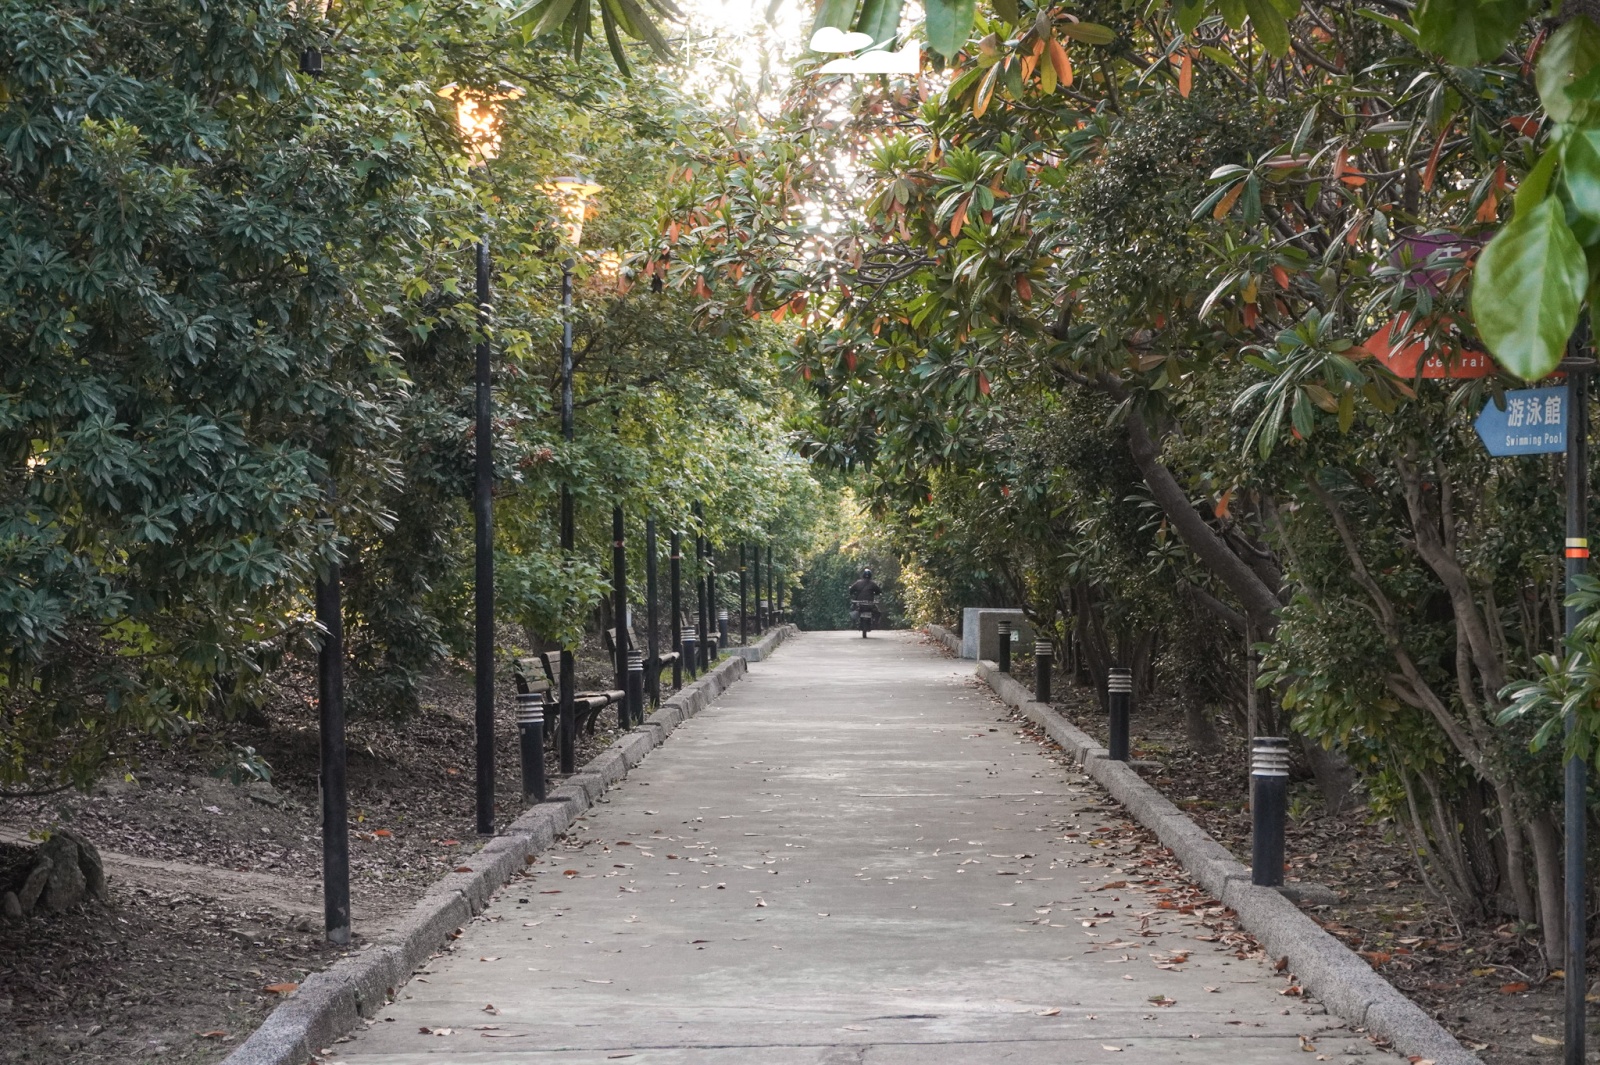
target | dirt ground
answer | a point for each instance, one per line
(215, 905)
(1486, 984)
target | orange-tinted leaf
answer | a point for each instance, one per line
(1024, 288)
(983, 383)
(1060, 61)
(1222, 504)
(281, 989)
(1224, 205)
(215, 1033)
(382, 832)
(1185, 74)
(1281, 276)
(1251, 316)
(1513, 989)
(960, 218)
(980, 102)
(463, 869)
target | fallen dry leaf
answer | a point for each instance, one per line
(1544, 1040)
(1112, 886)
(490, 1009)
(463, 869)
(1108, 1046)
(588, 981)
(492, 957)
(1512, 989)
(281, 989)
(216, 1033)
(382, 832)
(1053, 1011)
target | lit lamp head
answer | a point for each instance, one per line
(479, 115)
(572, 195)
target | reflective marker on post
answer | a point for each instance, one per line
(1003, 654)
(530, 729)
(1269, 802)
(632, 712)
(1042, 652)
(1119, 694)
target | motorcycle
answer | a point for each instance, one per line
(863, 612)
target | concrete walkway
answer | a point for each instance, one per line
(852, 857)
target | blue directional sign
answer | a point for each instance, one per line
(1533, 423)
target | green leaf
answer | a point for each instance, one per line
(1571, 53)
(1190, 12)
(949, 25)
(1468, 32)
(1008, 10)
(1269, 25)
(1233, 13)
(1404, 29)
(1527, 291)
(1536, 185)
(880, 19)
(834, 13)
(1087, 32)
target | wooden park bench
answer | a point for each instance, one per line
(663, 659)
(586, 705)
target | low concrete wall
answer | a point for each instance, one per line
(1341, 979)
(332, 1002)
(763, 647)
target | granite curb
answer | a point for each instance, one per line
(1338, 977)
(334, 1001)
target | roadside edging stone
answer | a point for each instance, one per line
(332, 1002)
(1338, 977)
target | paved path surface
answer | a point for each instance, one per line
(853, 858)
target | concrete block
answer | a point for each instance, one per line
(980, 631)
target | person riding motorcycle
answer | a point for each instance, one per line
(864, 600)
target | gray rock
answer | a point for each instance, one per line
(66, 886)
(34, 886)
(89, 863)
(11, 906)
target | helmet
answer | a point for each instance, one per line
(866, 573)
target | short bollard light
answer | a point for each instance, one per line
(530, 729)
(1042, 651)
(722, 628)
(633, 706)
(1003, 655)
(1269, 806)
(691, 640)
(1119, 692)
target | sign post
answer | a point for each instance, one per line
(1538, 421)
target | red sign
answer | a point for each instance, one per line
(1401, 348)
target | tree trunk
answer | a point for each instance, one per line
(1547, 867)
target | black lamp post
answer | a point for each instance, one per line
(572, 195)
(479, 113)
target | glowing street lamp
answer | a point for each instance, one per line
(571, 195)
(480, 112)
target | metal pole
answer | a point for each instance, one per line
(1576, 782)
(567, 739)
(634, 703)
(675, 575)
(1269, 804)
(703, 628)
(652, 612)
(778, 602)
(1119, 691)
(770, 619)
(335, 804)
(483, 570)
(1002, 653)
(1042, 654)
(761, 616)
(530, 728)
(713, 637)
(744, 597)
(619, 591)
